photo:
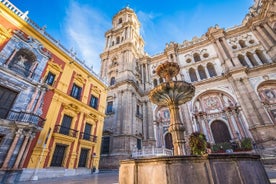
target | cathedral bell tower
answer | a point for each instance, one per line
(128, 124)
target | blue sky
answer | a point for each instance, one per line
(81, 24)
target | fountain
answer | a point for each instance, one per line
(179, 169)
(172, 94)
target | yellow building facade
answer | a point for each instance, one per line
(73, 105)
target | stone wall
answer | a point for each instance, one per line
(227, 169)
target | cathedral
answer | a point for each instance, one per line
(233, 71)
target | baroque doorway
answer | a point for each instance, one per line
(220, 132)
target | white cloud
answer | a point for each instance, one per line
(85, 28)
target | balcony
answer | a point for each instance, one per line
(88, 137)
(21, 116)
(23, 71)
(65, 131)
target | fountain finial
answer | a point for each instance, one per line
(168, 70)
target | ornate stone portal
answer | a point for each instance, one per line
(171, 94)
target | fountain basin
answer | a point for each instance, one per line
(173, 92)
(211, 169)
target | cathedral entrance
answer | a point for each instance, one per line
(220, 132)
(168, 141)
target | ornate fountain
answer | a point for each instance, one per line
(171, 94)
(179, 169)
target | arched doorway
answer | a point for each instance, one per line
(168, 141)
(220, 132)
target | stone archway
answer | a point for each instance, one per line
(168, 141)
(220, 132)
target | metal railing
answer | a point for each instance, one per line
(65, 131)
(151, 151)
(22, 116)
(23, 71)
(88, 137)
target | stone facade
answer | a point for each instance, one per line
(52, 104)
(22, 61)
(232, 69)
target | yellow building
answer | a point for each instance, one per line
(73, 105)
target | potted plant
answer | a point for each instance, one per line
(198, 143)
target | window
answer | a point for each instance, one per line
(242, 60)
(65, 125)
(87, 131)
(201, 72)
(109, 107)
(120, 21)
(161, 80)
(7, 98)
(139, 144)
(105, 145)
(211, 70)
(50, 78)
(137, 110)
(58, 155)
(192, 74)
(154, 82)
(252, 59)
(118, 40)
(94, 102)
(196, 57)
(76, 92)
(1, 138)
(83, 157)
(261, 56)
(242, 43)
(112, 81)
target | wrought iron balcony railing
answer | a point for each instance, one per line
(88, 137)
(65, 131)
(21, 116)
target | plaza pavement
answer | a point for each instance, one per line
(107, 177)
(112, 177)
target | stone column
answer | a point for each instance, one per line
(257, 106)
(208, 135)
(11, 56)
(177, 130)
(241, 130)
(228, 116)
(257, 59)
(266, 38)
(248, 62)
(149, 116)
(118, 113)
(11, 149)
(221, 50)
(22, 149)
(26, 150)
(270, 31)
(207, 72)
(259, 37)
(235, 59)
(243, 100)
(197, 75)
(34, 96)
